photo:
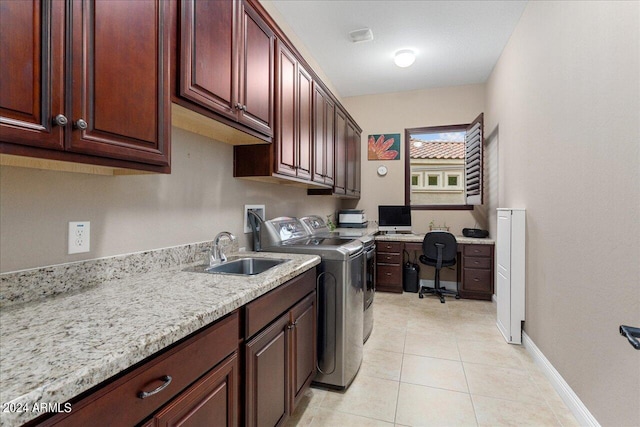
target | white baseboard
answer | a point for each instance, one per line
(573, 402)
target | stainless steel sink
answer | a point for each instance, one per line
(241, 266)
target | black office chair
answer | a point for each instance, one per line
(439, 249)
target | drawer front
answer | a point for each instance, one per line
(389, 246)
(474, 262)
(413, 246)
(477, 280)
(119, 403)
(478, 250)
(389, 275)
(388, 258)
(264, 310)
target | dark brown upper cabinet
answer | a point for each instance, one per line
(293, 116)
(346, 157)
(290, 156)
(340, 163)
(353, 160)
(88, 83)
(227, 64)
(32, 73)
(323, 137)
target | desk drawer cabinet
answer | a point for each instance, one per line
(477, 271)
(389, 266)
(119, 403)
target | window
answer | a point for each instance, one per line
(443, 166)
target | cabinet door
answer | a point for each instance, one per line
(120, 93)
(352, 154)
(286, 138)
(323, 115)
(304, 133)
(31, 74)
(330, 143)
(319, 143)
(257, 47)
(303, 346)
(340, 165)
(267, 376)
(211, 401)
(208, 74)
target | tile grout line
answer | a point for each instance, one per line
(466, 379)
(395, 414)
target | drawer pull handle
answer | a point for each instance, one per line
(145, 394)
(388, 274)
(476, 279)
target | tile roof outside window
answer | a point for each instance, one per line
(437, 150)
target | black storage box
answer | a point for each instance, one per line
(475, 232)
(410, 276)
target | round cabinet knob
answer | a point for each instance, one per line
(238, 106)
(81, 124)
(244, 108)
(60, 120)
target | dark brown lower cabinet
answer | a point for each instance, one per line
(267, 375)
(208, 356)
(474, 268)
(280, 365)
(477, 272)
(212, 401)
(303, 346)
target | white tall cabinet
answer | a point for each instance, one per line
(510, 274)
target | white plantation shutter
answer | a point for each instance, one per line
(473, 161)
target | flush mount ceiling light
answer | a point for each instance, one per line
(363, 35)
(404, 58)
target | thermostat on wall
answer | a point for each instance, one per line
(382, 170)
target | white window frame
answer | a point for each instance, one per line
(420, 176)
(430, 174)
(453, 187)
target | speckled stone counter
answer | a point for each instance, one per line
(418, 238)
(54, 348)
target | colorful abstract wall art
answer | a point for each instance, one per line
(384, 147)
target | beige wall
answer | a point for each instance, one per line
(136, 213)
(565, 95)
(393, 113)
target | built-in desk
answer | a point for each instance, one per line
(474, 267)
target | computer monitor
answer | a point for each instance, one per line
(394, 218)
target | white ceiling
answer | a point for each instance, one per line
(457, 42)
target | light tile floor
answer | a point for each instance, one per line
(433, 364)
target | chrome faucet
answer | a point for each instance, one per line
(217, 251)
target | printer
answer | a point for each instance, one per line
(352, 218)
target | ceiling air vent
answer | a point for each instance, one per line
(363, 35)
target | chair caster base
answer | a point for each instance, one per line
(420, 296)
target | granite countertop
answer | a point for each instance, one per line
(55, 348)
(420, 237)
(372, 230)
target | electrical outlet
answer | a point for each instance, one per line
(259, 209)
(79, 237)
